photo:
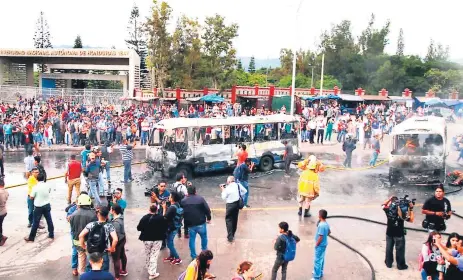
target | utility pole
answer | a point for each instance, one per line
(311, 82)
(321, 79)
(293, 82)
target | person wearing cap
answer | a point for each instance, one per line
(3, 199)
(308, 184)
(375, 145)
(78, 220)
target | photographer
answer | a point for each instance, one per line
(160, 195)
(395, 232)
(117, 199)
(437, 209)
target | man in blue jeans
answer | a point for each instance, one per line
(127, 157)
(241, 174)
(196, 214)
(321, 241)
(173, 216)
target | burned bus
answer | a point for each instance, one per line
(418, 151)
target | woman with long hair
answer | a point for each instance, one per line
(452, 241)
(433, 265)
(246, 271)
(198, 268)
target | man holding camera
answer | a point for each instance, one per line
(395, 232)
(232, 193)
(160, 195)
(117, 199)
(437, 209)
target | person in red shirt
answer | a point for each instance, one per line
(241, 154)
(72, 176)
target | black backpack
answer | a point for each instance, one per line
(96, 241)
(177, 188)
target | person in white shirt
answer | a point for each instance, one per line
(232, 193)
(41, 196)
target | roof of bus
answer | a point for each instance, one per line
(431, 123)
(199, 122)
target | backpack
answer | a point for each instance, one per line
(290, 252)
(96, 241)
(178, 219)
(72, 128)
(175, 188)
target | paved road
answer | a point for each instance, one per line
(357, 193)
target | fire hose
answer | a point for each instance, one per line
(62, 176)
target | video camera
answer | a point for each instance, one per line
(150, 190)
(400, 203)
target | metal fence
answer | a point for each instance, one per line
(74, 96)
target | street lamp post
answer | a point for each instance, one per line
(311, 82)
(293, 82)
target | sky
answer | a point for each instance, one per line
(265, 26)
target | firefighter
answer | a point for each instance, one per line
(309, 183)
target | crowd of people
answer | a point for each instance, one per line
(97, 224)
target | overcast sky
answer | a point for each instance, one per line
(266, 26)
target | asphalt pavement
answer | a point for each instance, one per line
(272, 199)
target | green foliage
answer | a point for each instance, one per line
(252, 65)
(78, 42)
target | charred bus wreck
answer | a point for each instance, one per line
(419, 151)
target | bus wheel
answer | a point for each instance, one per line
(266, 163)
(186, 170)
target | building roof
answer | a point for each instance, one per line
(425, 99)
(350, 97)
(400, 98)
(375, 98)
(202, 122)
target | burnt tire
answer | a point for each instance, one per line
(266, 163)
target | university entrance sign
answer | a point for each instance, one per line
(17, 67)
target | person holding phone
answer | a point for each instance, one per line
(432, 263)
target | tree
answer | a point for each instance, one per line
(81, 84)
(286, 61)
(431, 55)
(400, 43)
(137, 41)
(78, 42)
(42, 37)
(373, 41)
(186, 54)
(219, 52)
(159, 43)
(239, 66)
(252, 65)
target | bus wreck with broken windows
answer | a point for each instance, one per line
(418, 151)
(198, 145)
